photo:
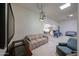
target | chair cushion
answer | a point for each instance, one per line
(63, 44)
(64, 49)
(72, 43)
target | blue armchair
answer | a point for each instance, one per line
(71, 33)
(70, 47)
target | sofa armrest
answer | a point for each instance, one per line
(63, 44)
(27, 38)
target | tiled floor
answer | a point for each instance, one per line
(49, 49)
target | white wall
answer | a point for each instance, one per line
(27, 22)
(68, 25)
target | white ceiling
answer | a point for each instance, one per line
(52, 10)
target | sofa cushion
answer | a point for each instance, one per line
(38, 40)
(64, 49)
(72, 43)
(33, 41)
(71, 33)
(43, 38)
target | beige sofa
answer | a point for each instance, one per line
(36, 40)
